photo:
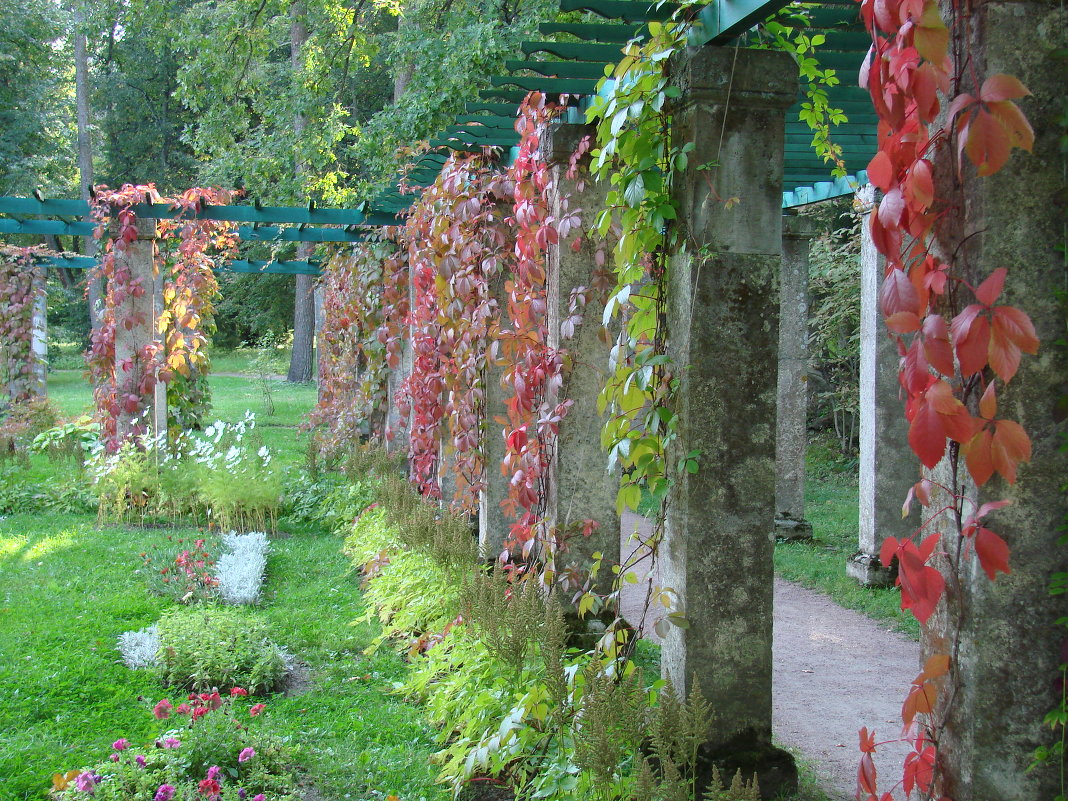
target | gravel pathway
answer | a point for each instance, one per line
(835, 671)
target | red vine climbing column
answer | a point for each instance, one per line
(948, 119)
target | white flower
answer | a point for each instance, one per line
(263, 452)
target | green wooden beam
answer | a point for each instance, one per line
(309, 215)
(237, 266)
(246, 233)
(593, 32)
(488, 107)
(577, 51)
(560, 69)
(622, 10)
(548, 86)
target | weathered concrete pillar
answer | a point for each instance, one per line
(581, 487)
(887, 466)
(1010, 646)
(320, 320)
(39, 343)
(135, 328)
(723, 328)
(791, 409)
(396, 425)
(493, 525)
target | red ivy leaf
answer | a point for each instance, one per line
(989, 291)
(992, 551)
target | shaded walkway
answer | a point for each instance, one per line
(835, 671)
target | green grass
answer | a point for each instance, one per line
(831, 505)
(69, 589)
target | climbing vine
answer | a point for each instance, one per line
(186, 256)
(21, 284)
(957, 342)
(352, 359)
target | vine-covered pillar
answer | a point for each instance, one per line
(887, 466)
(722, 325)
(1011, 648)
(493, 526)
(396, 423)
(791, 409)
(135, 330)
(581, 488)
(39, 335)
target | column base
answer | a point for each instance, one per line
(789, 530)
(869, 571)
(774, 767)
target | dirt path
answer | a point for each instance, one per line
(835, 671)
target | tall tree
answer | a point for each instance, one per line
(95, 291)
(303, 356)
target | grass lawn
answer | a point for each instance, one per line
(832, 506)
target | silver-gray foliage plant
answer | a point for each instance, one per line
(240, 570)
(138, 648)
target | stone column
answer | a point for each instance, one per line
(396, 426)
(1011, 648)
(140, 312)
(320, 319)
(887, 466)
(723, 341)
(493, 525)
(791, 409)
(581, 486)
(39, 344)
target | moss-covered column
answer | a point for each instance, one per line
(39, 333)
(723, 329)
(887, 466)
(1010, 648)
(791, 410)
(581, 486)
(493, 525)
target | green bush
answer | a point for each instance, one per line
(208, 647)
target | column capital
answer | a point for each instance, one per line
(797, 226)
(749, 78)
(560, 139)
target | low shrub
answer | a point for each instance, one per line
(70, 442)
(21, 495)
(21, 423)
(220, 752)
(206, 647)
(491, 664)
(181, 570)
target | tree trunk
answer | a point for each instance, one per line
(300, 364)
(95, 292)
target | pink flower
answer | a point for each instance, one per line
(164, 793)
(86, 782)
(199, 712)
(236, 691)
(209, 787)
(255, 710)
(140, 760)
(171, 742)
(257, 797)
(182, 709)
(213, 772)
(163, 709)
(246, 755)
(114, 757)
(121, 744)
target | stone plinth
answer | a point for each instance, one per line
(582, 488)
(791, 431)
(724, 340)
(887, 466)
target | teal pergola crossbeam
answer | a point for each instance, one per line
(237, 266)
(250, 214)
(247, 233)
(623, 10)
(595, 32)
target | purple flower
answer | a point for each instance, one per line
(171, 742)
(86, 782)
(140, 760)
(213, 772)
(241, 793)
(114, 757)
(164, 793)
(121, 744)
(246, 755)
(257, 797)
